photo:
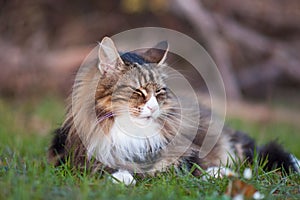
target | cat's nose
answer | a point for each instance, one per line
(152, 109)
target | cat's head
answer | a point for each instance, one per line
(134, 82)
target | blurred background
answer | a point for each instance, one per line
(254, 43)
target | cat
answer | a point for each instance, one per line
(122, 117)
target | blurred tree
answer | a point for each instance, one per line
(255, 43)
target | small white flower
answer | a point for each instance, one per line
(247, 173)
(238, 197)
(257, 195)
(218, 172)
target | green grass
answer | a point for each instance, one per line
(24, 173)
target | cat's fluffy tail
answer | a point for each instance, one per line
(276, 156)
(273, 153)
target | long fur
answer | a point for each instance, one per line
(277, 157)
(94, 123)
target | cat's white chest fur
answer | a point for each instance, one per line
(128, 141)
(134, 140)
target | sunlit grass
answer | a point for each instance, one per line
(25, 174)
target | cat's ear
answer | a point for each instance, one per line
(109, 58)
(157, 54)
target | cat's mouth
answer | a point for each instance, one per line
(143, 120)
(153, 116)
(147, 117)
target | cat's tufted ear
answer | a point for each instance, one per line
(109, 58)
(157, 54)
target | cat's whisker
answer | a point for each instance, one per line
(177, 116)
(180, 108)
(177, 72)
(173, 76)
(104, 117)
(176, 125)
(186, 119)
(174, 62)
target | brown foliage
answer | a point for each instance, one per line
(254, 43)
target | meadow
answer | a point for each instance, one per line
(25, 134)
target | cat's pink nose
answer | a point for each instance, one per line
(152, 109)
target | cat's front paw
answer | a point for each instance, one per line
(123, 176)
(218, 172)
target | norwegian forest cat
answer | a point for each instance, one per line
(122, 117)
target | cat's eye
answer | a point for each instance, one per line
(160, 91)
(140, 93)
